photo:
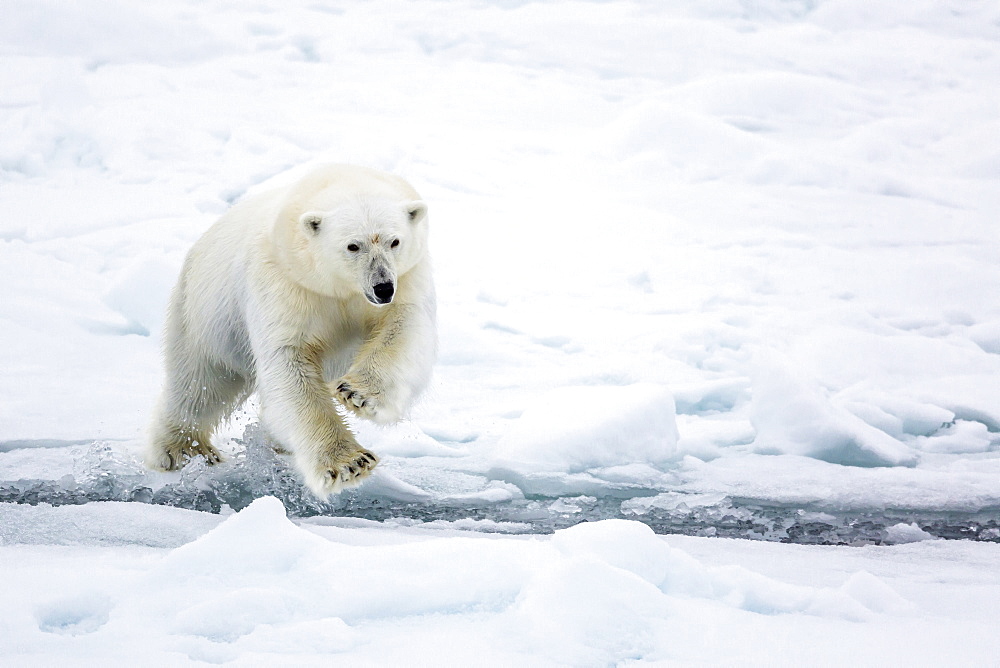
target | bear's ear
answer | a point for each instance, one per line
(311, 220)
(417, 210)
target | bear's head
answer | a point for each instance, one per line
(345, 231)
(367, 243)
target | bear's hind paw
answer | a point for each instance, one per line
(176, 457)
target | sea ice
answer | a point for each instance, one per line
(574, 429)
(792, 416)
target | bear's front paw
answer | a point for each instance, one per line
(357, 398)
(346, 469)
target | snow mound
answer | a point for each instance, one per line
(633, 547)
(611, 585)
(261, 589)
(574, 429)
(793, 416)
(140, 292)
(260, 538)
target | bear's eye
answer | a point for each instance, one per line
(395, 242)
(354, 248)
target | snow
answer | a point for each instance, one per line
(791, 416)
(719, 268)
(579, 428)
(257, 588)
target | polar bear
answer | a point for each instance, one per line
(316, 292)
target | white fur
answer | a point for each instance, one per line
(279, 297)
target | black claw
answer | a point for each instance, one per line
(333, 474)
(342, 387)
(353, 471)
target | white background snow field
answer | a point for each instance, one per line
(691, 257)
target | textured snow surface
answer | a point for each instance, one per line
(717, 268)
(255, 588)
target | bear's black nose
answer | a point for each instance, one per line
(383, 292)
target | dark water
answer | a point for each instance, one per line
(256, 471)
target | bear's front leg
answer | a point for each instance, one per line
(361, 395)
(297, 410)
(391, 368)
(335, 469)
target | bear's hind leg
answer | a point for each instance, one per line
(187, 415)
(173, 446)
